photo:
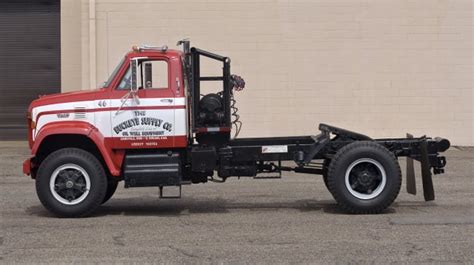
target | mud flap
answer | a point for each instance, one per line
(428, 190)
(410, 173)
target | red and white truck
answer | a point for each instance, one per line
(150, 125)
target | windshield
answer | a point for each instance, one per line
(107, 83)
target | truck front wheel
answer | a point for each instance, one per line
(71, 182)
(364, 177)
(111, 188)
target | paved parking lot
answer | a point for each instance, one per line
(292, 220)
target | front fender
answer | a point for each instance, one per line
(81, 128)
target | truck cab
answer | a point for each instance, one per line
(113, 117)
(154, 113)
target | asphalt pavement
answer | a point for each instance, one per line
(288, 220)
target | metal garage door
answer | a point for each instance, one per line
(29, 59)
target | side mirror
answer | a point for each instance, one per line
(148, 75)
(133, 81)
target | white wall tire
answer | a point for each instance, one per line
(371, 164)
(71, 182)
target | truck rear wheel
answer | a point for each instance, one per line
(364, 177)
(71, 183)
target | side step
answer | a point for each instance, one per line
(152, 169)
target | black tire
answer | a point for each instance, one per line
(364, 163)
(111, 188)
(59, 170)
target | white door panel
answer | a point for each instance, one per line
(143, 119)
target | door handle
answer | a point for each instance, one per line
(167, 100)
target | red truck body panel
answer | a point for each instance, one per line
(103, 108)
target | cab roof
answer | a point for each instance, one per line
(145, 50)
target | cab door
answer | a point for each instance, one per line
(143, 104)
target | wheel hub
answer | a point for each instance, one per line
(365, 178)
(70, 184)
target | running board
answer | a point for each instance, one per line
(152, 169)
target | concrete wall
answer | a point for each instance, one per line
(380, 67)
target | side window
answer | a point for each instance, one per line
(155, 74)
(126, 81)
(150, 75)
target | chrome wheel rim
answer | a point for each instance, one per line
(365, 178)
(70, 184)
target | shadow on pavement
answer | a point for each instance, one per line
(144, 206)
